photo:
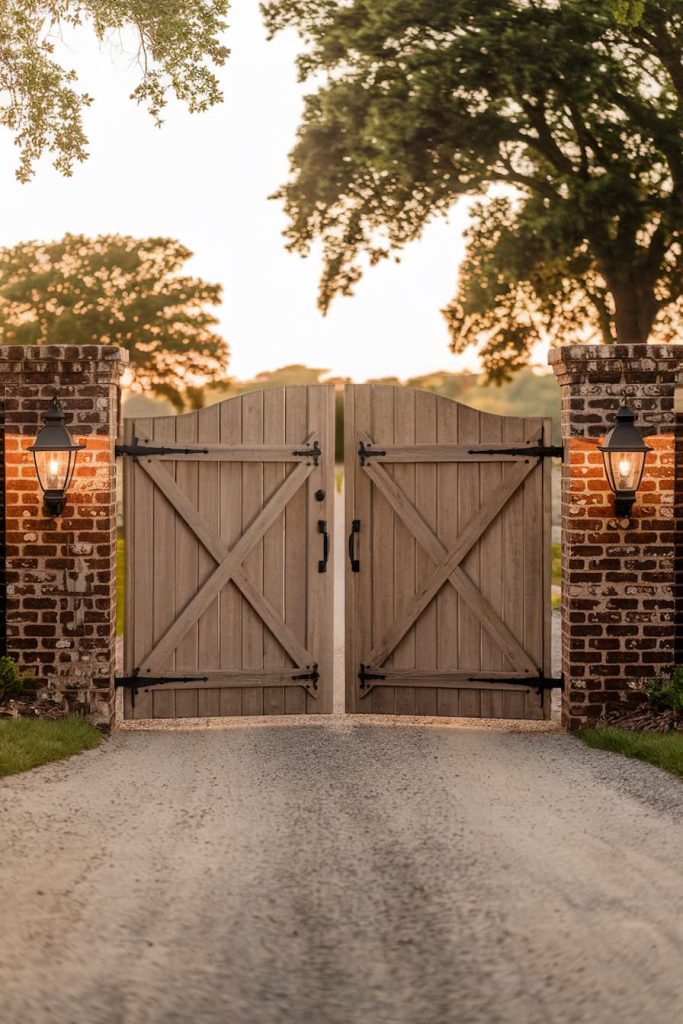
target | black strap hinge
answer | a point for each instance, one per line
(539, 451)
(365, 677)
(310, 453)
(365, 453)
(539, 682)
(135, 450)
(136, 682)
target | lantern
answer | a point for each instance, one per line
(54, 453)
(624, 453)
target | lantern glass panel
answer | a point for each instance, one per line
(624, 470)
(54, 469)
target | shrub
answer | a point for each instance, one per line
(666, 694)
(12, 682)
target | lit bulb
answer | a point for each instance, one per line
(52, 473)
(624, 470)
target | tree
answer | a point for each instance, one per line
(115, 290)
(565, 123)
(177, 46)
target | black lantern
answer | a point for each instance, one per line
(54, 453)
(624, 452)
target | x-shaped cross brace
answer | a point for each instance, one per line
(228, 566)
(448, 564)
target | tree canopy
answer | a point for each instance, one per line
(116, 290)
(178, 46)
(564, 122)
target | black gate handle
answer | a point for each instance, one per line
(322, 528)
(355, 562)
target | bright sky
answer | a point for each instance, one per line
(204, 179)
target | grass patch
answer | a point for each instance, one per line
(25, 743)
(556, 570)
(662, 749)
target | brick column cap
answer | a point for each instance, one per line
(574, 363)
(103, 353)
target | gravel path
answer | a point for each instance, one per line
(341, 873)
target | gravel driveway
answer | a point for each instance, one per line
(346, 873)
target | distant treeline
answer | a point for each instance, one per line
(527, 394)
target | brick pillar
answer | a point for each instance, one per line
(60, 573)
(618, 622)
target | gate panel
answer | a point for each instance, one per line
(228, 600)
(449, 611)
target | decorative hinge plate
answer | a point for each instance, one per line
(365, 677)
(310, 453)
(365, 453)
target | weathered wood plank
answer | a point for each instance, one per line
(384, 582)
(320, 587)
(296, 531)
(358, 506)
(491, 555)
(426, 504)
(404, 545)
(273, 549)
(230, 701)
(140, 574)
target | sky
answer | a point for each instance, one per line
(204, 179)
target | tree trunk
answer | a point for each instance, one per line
(635, 306)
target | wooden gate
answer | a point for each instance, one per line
(228, 516)
(448, 576)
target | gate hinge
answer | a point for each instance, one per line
(135, 450)
(306, 678)
(539, 451)
(137, 682)
(310, 453)
(365, 676)
(365, 453)
(539, 682)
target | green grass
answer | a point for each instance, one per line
(26, 743)
(556, 572)
(663, 749)
(120, 583)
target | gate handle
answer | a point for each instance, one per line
(355, 562)
(322, 528)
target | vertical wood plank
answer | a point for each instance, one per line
(207, 702)
(534, 562)
(296, 529)
(321, 585)
(426, 501)
(491, 559)
(230, 699)
(163, 547)
(383, 582)
(547, 565)
(252, 502)
(359, 620)
(186, 580)
(513, 567)
(404, 547)
(140, 573)
(274, 547)
(450, 484)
